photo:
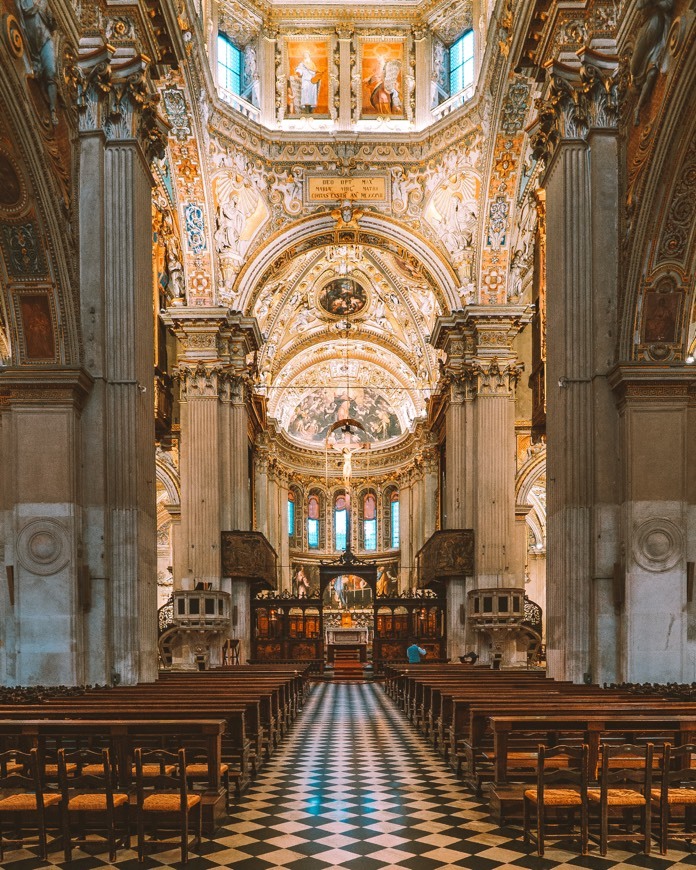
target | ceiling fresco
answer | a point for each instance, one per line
(346, 331)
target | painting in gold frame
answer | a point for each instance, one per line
(382, 74)
(307, 76)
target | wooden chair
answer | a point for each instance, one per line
(560, 791)
(164, 800)
(89, 794)
(626, 788)
(22, 793)
(197, 772)
(677, 789)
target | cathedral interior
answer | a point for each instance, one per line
(328, 326)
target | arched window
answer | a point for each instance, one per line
(370, 521)
(313, 522)
(291, 514)
(461, 57)
(340, 522)
(230, 65)
(394, 537)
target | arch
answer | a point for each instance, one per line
(663, 239)
(531, 479)
(44, 283)
(321, 230)
(168, 475)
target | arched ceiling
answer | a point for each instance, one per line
(346, 331)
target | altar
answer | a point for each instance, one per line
(353, 638)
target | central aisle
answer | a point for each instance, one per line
(355, 786)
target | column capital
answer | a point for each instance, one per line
(113, 95)
(214, 334)
(582, 97)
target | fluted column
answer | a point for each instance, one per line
(214, 464)
(577, 138)
(261, 486)
(406, 532)
(283, 548)
(431, 472)
(120, 133)
(273, 533)
(345, 36)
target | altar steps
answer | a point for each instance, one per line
(347, 665)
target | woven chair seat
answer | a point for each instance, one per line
(18, 802)
(156, 770)
(52, 769)
(618, 797)
(94, 802)
(168, 803)
(676, 795)
(556, 797)
(93, 770)
(202, 769)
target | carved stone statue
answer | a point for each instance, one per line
(231, 222)
(649, 48)
(176, 286)
(251, 76)
(38, 25)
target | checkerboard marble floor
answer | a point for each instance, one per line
(354, 786)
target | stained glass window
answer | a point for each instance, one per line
(394, 518)
(461, 55)
(230, 65)
(370, 521)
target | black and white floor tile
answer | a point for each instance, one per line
(355, 787)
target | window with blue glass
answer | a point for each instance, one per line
(341, 522)
(313, 522)
(291, 514)
(230, 64)
(461, 57)
(370, 522)
(394, 521)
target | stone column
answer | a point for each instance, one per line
(120, 133)
(494, 373)
(261, 485)
(480, 377)
(451, 336)
(422, 40)
(267, 71)
(283, 548)
(577, 138)
(431, 481)
(407, 552)
(240, 338)
(214, 463)
(345, 36)
(273, 518)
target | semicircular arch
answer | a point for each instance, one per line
(322, 230)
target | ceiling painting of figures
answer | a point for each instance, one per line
(314, 416)
(343, 297)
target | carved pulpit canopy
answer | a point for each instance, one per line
(249, 556)
(446, 554)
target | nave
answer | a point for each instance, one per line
(355, 786)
